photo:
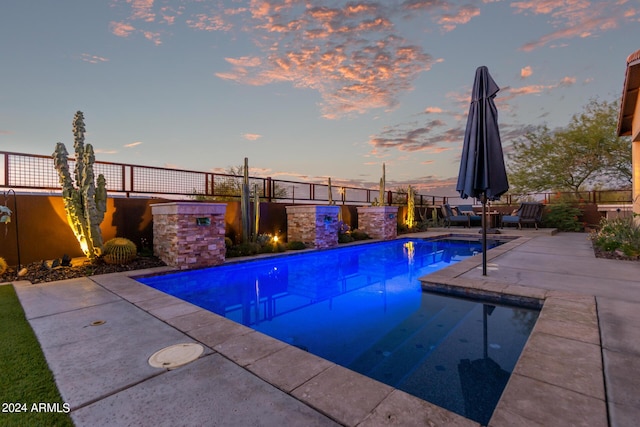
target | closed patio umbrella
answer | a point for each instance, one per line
(482, 172)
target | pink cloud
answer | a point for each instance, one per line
(567, 81)
(349, 54)
(463, 15)
(444, 13)
(575, 18)
(92, 59)
(142, 10)
(103, 151)
(251, 136)
(526, 72)
(121, 29)
(433, 110)
(511, 92)
(154, 37)
(204, 22)
(409, 137)
(528, 90)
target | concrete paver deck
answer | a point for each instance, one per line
(581, 365)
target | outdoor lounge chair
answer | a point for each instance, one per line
(468, 210)
(527, 213)
(451, 217)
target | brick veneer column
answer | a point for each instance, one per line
(189, 234)
(379, 222)
(316, 226)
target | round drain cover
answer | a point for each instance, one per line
(176, 355)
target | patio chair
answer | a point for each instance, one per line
(452, 217)
(468, 210)
(527, 213)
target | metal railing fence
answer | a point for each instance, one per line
(36, 173)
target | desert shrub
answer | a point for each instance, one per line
(228, 242)
(618, 233)
(296, 245)
(243, 249)
(272, 247)
(359, 235)
(402, 228)
(119, 250)
(345, 238)
(564, 216)
(263, 239)
(145, 249)
(3, 265)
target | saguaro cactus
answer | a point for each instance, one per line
(330, 193)
(85, 204)
(383, 182)
(245, 203)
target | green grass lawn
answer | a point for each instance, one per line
(25, 378)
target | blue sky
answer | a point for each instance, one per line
(305, 89)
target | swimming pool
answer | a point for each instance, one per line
(363, 307)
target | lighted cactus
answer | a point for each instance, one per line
(3, 265)
(85, 204)
(411, 219)
(245, 203)
(119, 250)
(256, 212)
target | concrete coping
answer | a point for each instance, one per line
(189, 208)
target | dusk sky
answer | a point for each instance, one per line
(305, 89)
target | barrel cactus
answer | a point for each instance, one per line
(119, 250)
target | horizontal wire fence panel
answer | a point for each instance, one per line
(360, 195)
(168, 181)
(32, 172)
(225, 185)
(292, 191)
(113, 175)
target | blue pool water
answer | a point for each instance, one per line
(363, 307)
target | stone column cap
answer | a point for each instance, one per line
(189, 208)
(379, 208)
(312, 208)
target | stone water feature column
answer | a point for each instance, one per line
(189, 234)
(379, 222)
(314, 225)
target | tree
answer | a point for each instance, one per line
(580, 156)
(228, 187)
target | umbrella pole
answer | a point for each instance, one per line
(484, 234)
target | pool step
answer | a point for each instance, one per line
(413, 340)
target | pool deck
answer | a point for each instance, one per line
(580, 366)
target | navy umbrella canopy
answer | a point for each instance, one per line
(482, 171)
